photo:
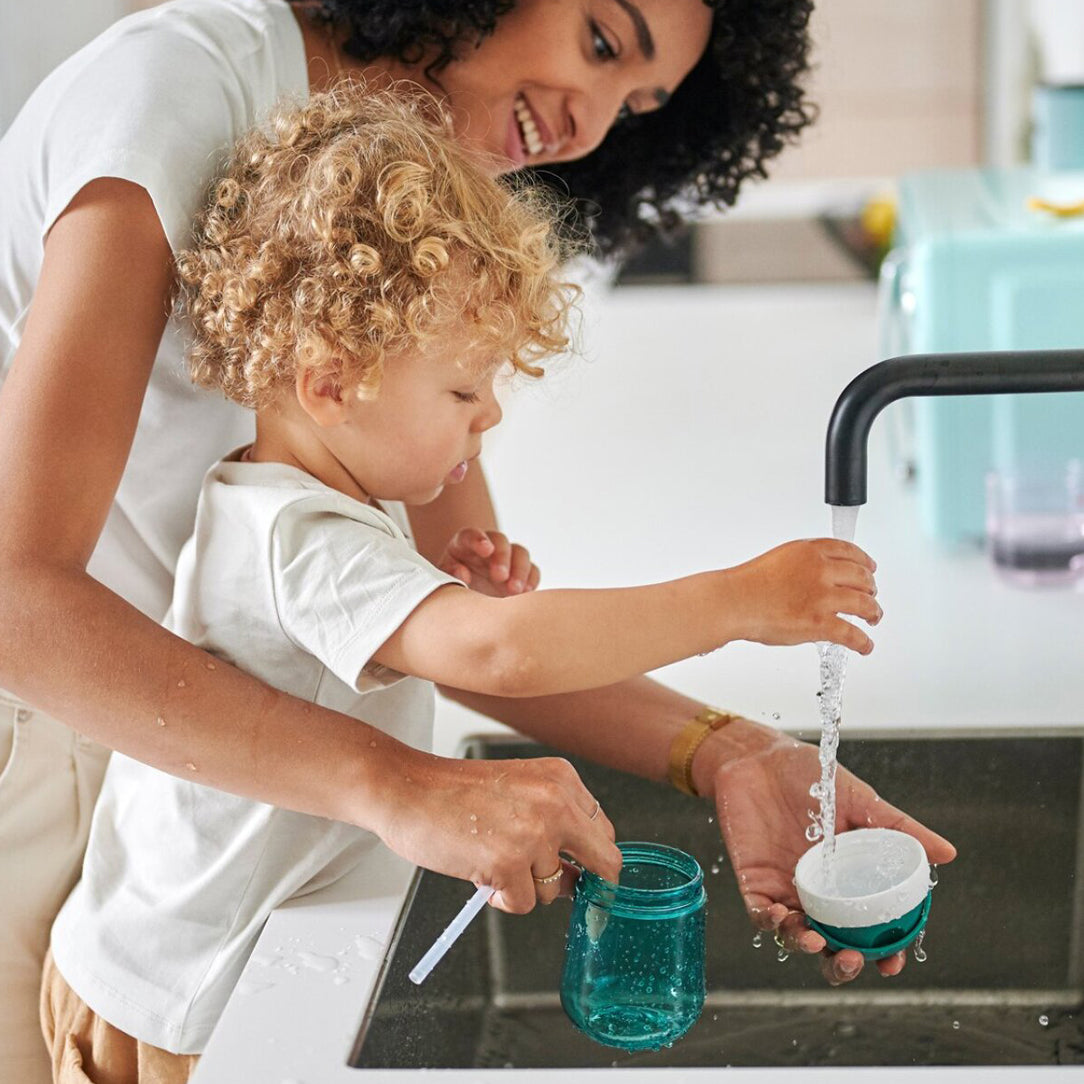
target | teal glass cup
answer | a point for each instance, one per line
(634, 962)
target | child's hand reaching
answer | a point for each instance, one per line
(487, 562)
(794, 593)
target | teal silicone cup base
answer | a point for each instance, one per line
(880, 941)
(634, 961)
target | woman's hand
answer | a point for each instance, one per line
(487, 562)
(504, 823)
(761, 792)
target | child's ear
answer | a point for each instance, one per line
(320, 396)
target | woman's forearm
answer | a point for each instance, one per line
(629, 726)
(88, 658)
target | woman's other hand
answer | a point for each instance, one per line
(487, 562)
(505, 823)
(760, 780)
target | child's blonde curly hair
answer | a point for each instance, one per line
(352, 229)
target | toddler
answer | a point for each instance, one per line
(359, 283)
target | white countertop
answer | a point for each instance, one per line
(704, 410)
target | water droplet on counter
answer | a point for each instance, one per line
(315, 962)
(368, 947)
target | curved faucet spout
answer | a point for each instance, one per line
(996, 372)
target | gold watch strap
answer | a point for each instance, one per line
(688, 740)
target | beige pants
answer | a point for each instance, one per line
(49, 781)
(87, 1050)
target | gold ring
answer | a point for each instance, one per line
(594, 813)
(554, 876)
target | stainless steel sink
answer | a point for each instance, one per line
(1003, 982)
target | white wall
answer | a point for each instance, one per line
(35, 36)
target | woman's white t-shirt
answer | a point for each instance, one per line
(158, 99)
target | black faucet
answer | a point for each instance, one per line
(930, 374)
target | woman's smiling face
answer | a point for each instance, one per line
(555, 75)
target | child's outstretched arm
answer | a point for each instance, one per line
(547, 642)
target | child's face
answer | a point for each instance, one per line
(424, 427)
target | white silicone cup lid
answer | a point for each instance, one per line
(877, 875)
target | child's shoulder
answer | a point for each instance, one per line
(278, 493)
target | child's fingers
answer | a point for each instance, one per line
(519, 569)
(481, 543)
(470, 541)
(533, 578)
(858, 577)
(848, 551)
(858, 603)
(501, 557)
(848, 635)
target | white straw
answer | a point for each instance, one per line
(451, 934)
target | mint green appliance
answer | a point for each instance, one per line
(974, 268)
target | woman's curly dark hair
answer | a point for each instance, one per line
(737, 109)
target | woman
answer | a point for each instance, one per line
(102, 444)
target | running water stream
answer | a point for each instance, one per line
(833, 669)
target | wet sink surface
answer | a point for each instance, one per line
(1003, 983)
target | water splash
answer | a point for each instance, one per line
(833, 670)
(919, 952)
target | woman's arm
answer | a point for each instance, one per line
(756, 777)
(68, 412)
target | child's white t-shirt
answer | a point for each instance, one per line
(297, 584)
(158, 99)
